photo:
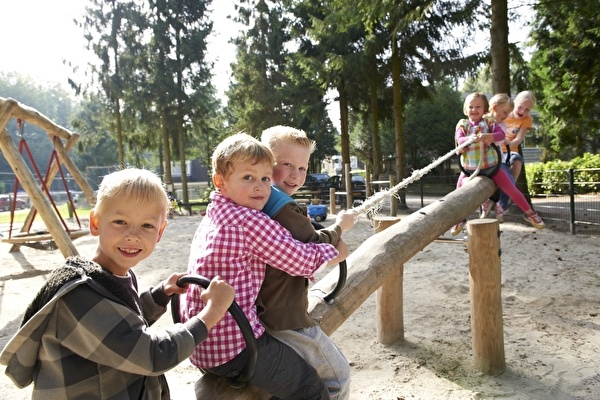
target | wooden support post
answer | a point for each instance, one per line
(390, 317)
(393, 200)
(332, 207)
(486, 297)
(348, 181)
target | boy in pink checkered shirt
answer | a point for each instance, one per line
(235, 241)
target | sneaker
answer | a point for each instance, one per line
(535, 220)
(499, 213)
(456, 229)
(486, 207)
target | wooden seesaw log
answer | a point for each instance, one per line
(368, 267)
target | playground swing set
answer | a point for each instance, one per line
(57, 234)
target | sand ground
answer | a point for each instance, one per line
(550, 299)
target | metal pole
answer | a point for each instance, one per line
(572, 200)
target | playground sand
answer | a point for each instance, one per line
(551, 316)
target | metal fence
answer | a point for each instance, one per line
(568, 208)
(565, 210)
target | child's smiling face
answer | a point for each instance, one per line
(476, 109)
(522, 109)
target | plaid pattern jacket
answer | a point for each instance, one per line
(465, 130)
(236, 243)
(86, 336)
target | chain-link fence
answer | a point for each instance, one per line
(569, 208)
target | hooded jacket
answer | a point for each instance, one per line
(85, 335)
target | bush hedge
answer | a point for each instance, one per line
(552, 177)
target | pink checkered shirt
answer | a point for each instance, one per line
(236, 243)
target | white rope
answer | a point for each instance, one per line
(373, 203)
(480, 147)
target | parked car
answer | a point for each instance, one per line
(357, 182)
(5, 203)
(315, 181)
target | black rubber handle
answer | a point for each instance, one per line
(239, 317)
(496, 168)
(342, 278)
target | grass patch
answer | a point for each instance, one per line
(63, 209)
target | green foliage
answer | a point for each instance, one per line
(566, 72)
(269, 86)
(430, 124)
(552, 177)
(96, 146)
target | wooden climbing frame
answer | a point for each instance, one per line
(62, 239)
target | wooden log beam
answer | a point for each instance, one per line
(6, 109)
(21, 111)
(376, 258)
(368, 268)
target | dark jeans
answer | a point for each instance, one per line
(279, 370)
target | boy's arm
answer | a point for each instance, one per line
(274, 245)
(343, 253)
(122, 340)
(525, 127)
(293, 219)
(217, 297)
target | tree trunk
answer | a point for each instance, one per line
(180, 128)
(499, 47)
(345, 135)
(166, 150)
(398, 118)
(376, 162)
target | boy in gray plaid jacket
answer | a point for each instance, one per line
(86, 334)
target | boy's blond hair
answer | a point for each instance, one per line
(281, 135)
(473, 96)
(502, 101)
(139, 186)
(239, 148)
(524, 96)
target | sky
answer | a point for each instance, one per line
(37, 35)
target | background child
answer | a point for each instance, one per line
(86, 335)
(500, 106)
(518, 123)
(284, 298)
(236, 240)
(482, 157)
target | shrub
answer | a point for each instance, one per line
(552, 177)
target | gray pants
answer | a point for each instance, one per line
(280, 371)
(320, 352)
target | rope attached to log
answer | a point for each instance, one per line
(372, 205)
